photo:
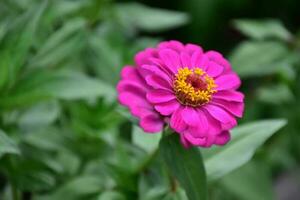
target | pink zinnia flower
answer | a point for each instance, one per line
(191, 90)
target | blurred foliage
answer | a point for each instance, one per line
(63, 135)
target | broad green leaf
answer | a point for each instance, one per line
(148, 142)
(251, 181)
(61, 84)
(245, 140)
(7, 145)
(186, 165)
(263, 29)
(259, 58)
(149, 19)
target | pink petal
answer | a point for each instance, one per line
(229, 95)
(167, 108)
(160, 64)
(192, 48)
(195, 141)
(171, 59)
(203, 122)
(218, 58)
(131, 73)
(223, 138)
(177, 122)
(214, 126)
(136, 104)
(132, 87)
(185, 60)
(157, 71)
(214, 69)
(160, 96)
(235, 108)
(190, 116)
(158, 83)
(196, 59)
(219, 114)
(173, 44)
(151, 123)
(142, 57)
(228, 81)
(184, 141)
(199, 60)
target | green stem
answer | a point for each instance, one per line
(14, 192)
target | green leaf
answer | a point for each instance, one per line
(61, 84)
(149, 19)
(245, 140)
(65, 42)
(259, 58)
(105, 58)
(19, 39)
(53, 142)
(77, 188)
(111, 195)
(148, 142)
(263, 29)
(186, 165)
(252, 181)
(7, 145)
(275, 94)
(39, 115)
(178, 195)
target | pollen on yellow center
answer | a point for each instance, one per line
(193, 87)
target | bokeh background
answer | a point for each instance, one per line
(63, 134)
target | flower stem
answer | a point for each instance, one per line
(14, 192)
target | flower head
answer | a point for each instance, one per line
(191, 90)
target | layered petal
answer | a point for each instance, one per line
(160, 96)
(228, 82)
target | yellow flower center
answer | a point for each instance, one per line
(193, 87)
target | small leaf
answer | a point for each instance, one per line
(150, 19)
(263, 29)
(186, 165)
(245, 140)
(148, 142)
(7, 145)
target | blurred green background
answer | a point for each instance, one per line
(63, 134)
